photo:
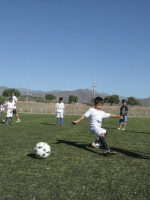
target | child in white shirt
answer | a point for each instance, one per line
(15, 101)
(2, 108)
(59, 109)
(10, 107)
(96, 115)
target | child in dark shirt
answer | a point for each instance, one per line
(123, 113)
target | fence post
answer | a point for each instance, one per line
(146, 113)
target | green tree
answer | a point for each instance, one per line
(92, 100)
(112, 99)
(7, 92)
(2, 99)
(133, 101)
(50, 97)
(73, 99)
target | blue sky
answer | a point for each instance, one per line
(67, 44)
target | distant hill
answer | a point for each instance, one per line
(145, 102)
(2, 88)
(84, 95)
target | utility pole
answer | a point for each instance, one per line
(94, 89)
(27, 95)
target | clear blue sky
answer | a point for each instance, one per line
(66, 44)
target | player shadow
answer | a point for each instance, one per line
(2, 121)
(126, 130)
(85, 147)
(130, 153)
(76, 144)
(48, 124)
(137, 132)
(32, 155)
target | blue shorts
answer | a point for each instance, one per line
(121, 121)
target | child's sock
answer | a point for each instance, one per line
(97, 140)
(57, 120)
(6, 120)
(10, 119)
(61, 120)
(103, 143)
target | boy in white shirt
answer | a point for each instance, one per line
(2, 108)
(15, 101)
(10, 107)
(96, 115)
(59, 109)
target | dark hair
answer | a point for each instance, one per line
(98, 100)
(60, 99)
(124, 101)
(10, 98)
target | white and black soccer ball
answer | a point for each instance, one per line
(42, 150)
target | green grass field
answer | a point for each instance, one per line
(74, 170)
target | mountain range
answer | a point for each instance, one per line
(84, 95)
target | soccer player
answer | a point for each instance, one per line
(59, 109)
(123, 113)
(96, 115)
(2, 108)
(15, 101)
(10, 108)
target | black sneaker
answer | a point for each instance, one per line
(109, 151)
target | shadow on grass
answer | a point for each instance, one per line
(130, 153)
(48, 124)
(85, 147)
(76, 144)
(32, 155)
(127, 130)
(2, 121)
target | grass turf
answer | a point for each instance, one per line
(75, 170)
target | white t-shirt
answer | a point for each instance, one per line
(10, 107)
(96, 117)
(14, 101)
(59, 107)
(2, 107)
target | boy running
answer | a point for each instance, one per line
(96, 115)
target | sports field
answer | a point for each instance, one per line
(74, 170)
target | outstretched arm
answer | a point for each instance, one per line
(78, 120)
(116, 116)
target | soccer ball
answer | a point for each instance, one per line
(42, 150)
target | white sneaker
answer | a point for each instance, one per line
(119, 128)
(95, 145)
(18, 120)
(123, 129)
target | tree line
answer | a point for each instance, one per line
(113, 99)
(49, 97)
